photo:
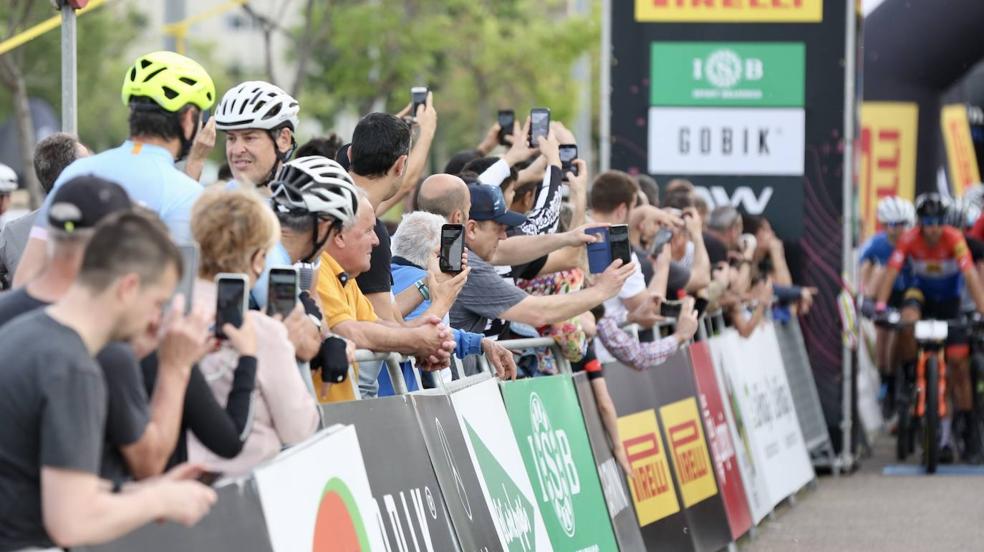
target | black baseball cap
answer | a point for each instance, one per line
(342, 156)
(487, 203)
(85, 200)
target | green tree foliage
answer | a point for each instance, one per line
(476, 55)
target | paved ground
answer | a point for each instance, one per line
(867, 511)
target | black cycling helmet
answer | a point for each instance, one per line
(930, 205)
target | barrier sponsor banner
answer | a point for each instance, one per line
(676, 393)
(729, 11)
(727, 74)
(456, 475)
(803, 389)
(723, 350)
(409, 507)
(889, 131)
(961, 156)
(234, 524)
(316, 496)
(493, 450)
(612, 479)
(726, 141)
(760, 387)
(650, 482)
(719, 438)
(547, 421)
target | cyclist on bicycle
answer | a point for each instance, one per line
(896, 215)
(941, 266)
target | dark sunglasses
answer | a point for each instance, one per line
(931, 221)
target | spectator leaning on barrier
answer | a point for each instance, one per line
(51, 156)
(139, 436)
(415, 245)
(166, 93)
(53, 429)
(350, 314)
(234, 230)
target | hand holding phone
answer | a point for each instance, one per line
(418, 97)
(659, 240)
(599, 252)
(568, 153)
(507, 123)
(282, 290)
(539, 125)
(230, 301)
(452, 247)
(618, 239)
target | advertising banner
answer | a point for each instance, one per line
(550, 431)
(726, 141)
(719, 439)
(729, 11)
(724, 350)
(459, 482)
(676, 393)
(235, 523)
(774, 435)
(409, 506)
(961, 158)
(728, 74)
(806, 400)
(651, 486)
(492, 447)
(889, 132)
(311, 503)
(612, 479)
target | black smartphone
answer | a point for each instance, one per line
(209, 478)
(507, 120)
(282, 290)
(186, 286)
(539, 125)
(418, 97)
(618, 240)
(568, 153)
(230, 301)
(452, 246)
(659, 240)
(670, 309)
(206, 115)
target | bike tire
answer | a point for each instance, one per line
(931, 418)
(903, 405)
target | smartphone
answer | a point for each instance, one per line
(230, 301)
(539, 124)
(282, 290)
(206, 115)
(568, 153)
(209, 478)
(418, 97)
(659, 240)
(618, 239)
(507, 120)
(599, 253)
(670, 309)
(186, 286)
(452, 247)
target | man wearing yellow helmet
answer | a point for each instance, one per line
(166, 94)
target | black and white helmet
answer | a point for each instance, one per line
(256, 104)
(8, 179)
(962, 214)
(315, 185)
(896, 210)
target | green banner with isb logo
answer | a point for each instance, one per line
(546, 418)
(727, 74)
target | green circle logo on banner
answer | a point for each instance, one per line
(555, 464)
(338, 526)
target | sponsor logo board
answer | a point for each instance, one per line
(691, 462)
(649, 482)
(729, 11)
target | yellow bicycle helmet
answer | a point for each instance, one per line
(171, 80)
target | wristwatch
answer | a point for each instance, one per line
(423, 289)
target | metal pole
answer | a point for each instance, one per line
(850, 110)
(604, 118)
(69, 71)
(174, 11)
(581, 74)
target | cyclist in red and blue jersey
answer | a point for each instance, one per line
(895, 215)
(941, 266)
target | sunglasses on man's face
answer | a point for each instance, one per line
(931, 221)
(896, 225)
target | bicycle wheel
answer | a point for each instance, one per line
(903, 406)
(931, 418)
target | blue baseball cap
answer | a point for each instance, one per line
(487, 203)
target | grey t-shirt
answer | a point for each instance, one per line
(53, 407)
(485, 297)
(128, 413)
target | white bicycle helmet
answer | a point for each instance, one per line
(8, 179)
(256, 104)
(962, 214)
(975, 194)
(315, 185)
(896, 210)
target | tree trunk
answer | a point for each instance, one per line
(14, 80)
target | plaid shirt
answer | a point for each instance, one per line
(629, 351)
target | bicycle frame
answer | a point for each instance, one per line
(921, 382)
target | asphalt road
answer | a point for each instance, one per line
(868, 511)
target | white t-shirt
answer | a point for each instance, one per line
(615, 307)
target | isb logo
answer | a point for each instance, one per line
(724, 68)
(555, 469)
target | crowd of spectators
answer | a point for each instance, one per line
(118, 395)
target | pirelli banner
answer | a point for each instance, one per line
(746, 99)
